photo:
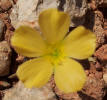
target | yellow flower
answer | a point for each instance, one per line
(54, 50)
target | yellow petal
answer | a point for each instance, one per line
(35, 73)
(80, 43)
(69, 76)
(54, 25)
(28, 42)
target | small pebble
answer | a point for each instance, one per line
(4, 84)
(5, 58)
(105, 78)
(5, 5)
(19, 92)
(101, 53)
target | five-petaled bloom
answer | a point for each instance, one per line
(54, 50)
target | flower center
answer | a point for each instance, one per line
(56, 55)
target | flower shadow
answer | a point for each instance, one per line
(85, 96)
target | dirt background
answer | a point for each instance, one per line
(96, 67)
